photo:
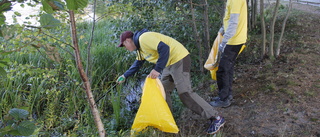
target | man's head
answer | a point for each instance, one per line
(126, 40)
(125, 35)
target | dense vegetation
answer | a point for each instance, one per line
(41, 75)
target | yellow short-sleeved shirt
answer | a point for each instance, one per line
(237, 7)
(149, 43)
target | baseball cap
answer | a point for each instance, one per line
(124, 36)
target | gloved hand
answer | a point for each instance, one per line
(220, 51)
(121, 79)
(221, 30)
(222, 46)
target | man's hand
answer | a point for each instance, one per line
(221, 30)
(222, 46)
(121, 79)
(154, 74)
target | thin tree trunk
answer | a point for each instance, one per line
(197, 37)
(255, 13)
(263, 29)
(84, 77)
(206, 21)
(271, 52)
(88, 67)
(249, 10)
(283, 27)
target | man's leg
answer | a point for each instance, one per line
(225, 75)
(168, 85)
(180, 72)
(234, 53)
(223, 78)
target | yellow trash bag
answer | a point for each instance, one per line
(212, 62)
(153, 110)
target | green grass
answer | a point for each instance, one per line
(314, 119)
(309, 93)
(270, 87)
(52, 91)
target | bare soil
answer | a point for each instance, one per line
(278, 98)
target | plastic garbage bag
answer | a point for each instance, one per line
(212, 62)
(154, 110)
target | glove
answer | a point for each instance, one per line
(221, 30)
(222, 46)
(121, 79)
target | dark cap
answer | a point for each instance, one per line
(124, 36)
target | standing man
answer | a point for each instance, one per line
(234, 32)
(171, 59)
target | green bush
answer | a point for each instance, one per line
(17, 123)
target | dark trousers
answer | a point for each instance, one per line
(226, 69)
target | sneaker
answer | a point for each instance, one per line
(230, 97)
(220, 103)
(216, 125)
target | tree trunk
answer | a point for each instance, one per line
(253, 14)
(88, 67)
(197, 37)
(84, 78)
(271, 52)
(206, 21)
(283, 27)
(249, 14)
(263, 29)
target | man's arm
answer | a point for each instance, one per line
(231, 30)
(134, 68)
(164, 51)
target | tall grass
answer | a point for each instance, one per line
(53, 92)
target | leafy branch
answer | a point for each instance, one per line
(16, 123)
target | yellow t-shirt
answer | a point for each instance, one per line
(237, 7)
(149, 44)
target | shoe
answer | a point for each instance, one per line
(219, 103)
(216, 125)
(230, 97)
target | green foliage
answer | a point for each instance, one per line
(3, 63)
(54, 94)
(51, 88)
(116, 105)
(2, 21)
(76, 4)
(46, 6)
(50, 6)
(6, 6)
(177, 105)
(48, 21)
(170, 18)
(16, 123)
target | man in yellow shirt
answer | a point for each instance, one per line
(173, 62)
(235, 36)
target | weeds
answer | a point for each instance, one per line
(309, 93)
(291, 83)
(314, 119)
(53, 93)
(269, 87)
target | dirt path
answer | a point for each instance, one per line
(306, 8)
